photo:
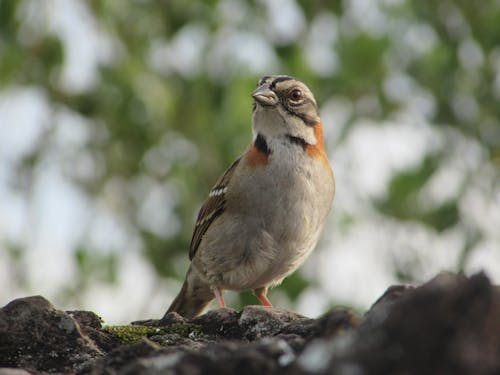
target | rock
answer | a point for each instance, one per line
(36, 336)
(169, 318)
(450, 325)
(258, 321)
(263, 357)
(13, 371)
(90, 324)
(121, 357)
(221, 323)
(330, 324)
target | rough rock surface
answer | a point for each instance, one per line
(450, 325)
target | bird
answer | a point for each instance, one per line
(266, 212)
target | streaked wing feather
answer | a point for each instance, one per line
(214, 205)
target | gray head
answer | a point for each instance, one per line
(284, 105)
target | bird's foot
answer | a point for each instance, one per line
(261, 294)
(220, 298)
(264, 300)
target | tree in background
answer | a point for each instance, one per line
(135, 108)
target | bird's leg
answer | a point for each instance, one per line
(220, 298)
(261, 294)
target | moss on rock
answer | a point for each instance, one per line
(128, 334)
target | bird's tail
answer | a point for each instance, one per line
(194, 296)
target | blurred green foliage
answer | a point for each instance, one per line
(143, 120)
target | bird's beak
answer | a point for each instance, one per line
(265, 96)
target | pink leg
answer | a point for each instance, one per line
(220, 298)
(261, 294)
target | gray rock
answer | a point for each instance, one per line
(13, 371)
(36, 336)
(450, 325)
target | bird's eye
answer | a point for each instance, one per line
(295, 95)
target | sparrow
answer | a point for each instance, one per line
(265, 214)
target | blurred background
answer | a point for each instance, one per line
(116, 118)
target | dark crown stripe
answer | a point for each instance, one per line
(262, 80)
(261, 144)
(280, 79)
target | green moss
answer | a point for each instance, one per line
(128, 334)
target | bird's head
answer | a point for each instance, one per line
(284, 106)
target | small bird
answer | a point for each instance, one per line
(265, 214)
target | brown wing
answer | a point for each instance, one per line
(214, 205)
